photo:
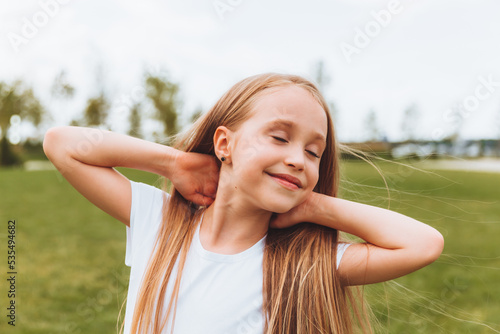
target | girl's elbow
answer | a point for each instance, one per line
(433, 247)
(50, 140)
(53, 142)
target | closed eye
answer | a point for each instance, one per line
(280, 139)
(314, 154)
(285, 141)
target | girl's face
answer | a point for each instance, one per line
(286, 135)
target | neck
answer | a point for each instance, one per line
(231, 228)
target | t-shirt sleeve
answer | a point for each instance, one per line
(145, 215)
(341, 247)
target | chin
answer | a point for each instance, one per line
(280, 207)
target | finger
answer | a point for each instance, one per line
(207, 189)
(201, 199)
(208, 200)
(198, 199)
(210, 190)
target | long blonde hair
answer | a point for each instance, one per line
(302, 292)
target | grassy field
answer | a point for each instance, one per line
(71, 276)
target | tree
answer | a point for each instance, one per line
(321, 76)
(334, 112)
(96, 112)
(409, 122)
(323, 80)
(164, 95)
(372, 126)
(135, 121)
(61, 88)
(61, 91)
(16, 99)
(456, 121)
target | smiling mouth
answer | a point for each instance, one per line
(284, 183)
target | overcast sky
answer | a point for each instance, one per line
(380, 55)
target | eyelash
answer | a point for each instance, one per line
(285, 141)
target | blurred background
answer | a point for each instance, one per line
(414, 82)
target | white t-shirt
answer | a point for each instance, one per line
(219, 293)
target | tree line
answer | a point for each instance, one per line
(18, 101)
(159, 93)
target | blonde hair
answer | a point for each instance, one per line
(302, 292)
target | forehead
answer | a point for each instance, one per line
(291, 106)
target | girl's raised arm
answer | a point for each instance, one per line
(86, 157)
(396, 244)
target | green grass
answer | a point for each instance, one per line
(72, 277)
(459, 293)
(70, 255)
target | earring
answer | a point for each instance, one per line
(223, 159)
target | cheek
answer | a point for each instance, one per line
(313, 177)
(248, 147)
(254, 152)
(246, 164)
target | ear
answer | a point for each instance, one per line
(222, 143)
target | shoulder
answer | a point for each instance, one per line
(145, 217)
(147, 193)
(147, 201)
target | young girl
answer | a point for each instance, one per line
(247, 240)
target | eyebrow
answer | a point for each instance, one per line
(290, 124)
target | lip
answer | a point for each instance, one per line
(288, 178)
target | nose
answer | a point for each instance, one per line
(295, 157)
